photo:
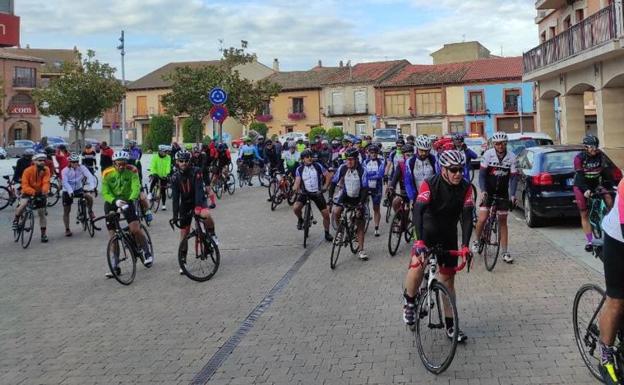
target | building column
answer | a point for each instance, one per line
(545, 117)
(609, 118)
(572, 119)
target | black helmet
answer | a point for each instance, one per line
(400, 141)
(458, 137)
(373, 148)
(49, 150)
(410, 139)
(29, 153)
(590, 140)
(352, 153)
(183, 155)
(408, 148)
(222, 147)
(306, 154)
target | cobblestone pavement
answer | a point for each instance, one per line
(62, 322)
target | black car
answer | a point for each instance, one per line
(546, 177)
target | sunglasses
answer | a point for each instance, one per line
(591, 148)
(500, 143)
(73, 161)
(182, 161)
(455, 170)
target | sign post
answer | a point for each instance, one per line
(219, 111)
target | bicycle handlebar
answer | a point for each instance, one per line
(466, 256)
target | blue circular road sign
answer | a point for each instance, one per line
(218, 96)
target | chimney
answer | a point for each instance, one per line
(341, 64)
(275, 65)
(320, 63)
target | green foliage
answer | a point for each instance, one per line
(274, 137)
(80, 96)
(335, 133)
(206, 139)
(317, 131)
(192, 130)
(260, 128)
(160, 131)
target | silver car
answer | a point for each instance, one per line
(16, 149)
(3, 153)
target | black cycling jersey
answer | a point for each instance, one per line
(591, 171)
(187, 191)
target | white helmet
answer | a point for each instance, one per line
(40, 156)
(423, 143)
(162, 147)
(499, 136)
(121, 155)
(451, 158)
(74, 157)
(433, 138)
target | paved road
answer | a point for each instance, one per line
(62, 323)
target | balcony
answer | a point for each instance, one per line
(542, 14)
(264, 118)
(24, 82)
(347, 110)
(477, 110)
(142, 113)
(510, 108)
(550, 4)
(595, 31)
(296, 115)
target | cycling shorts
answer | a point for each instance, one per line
(446, 237)
(130, 213)
(503, 203)
(613, 267)
(317, 198)
(68, 200)
(376, 197)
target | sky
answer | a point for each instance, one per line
(297, 32)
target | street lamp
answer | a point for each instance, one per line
(122, 48)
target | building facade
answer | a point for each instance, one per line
(579, 66)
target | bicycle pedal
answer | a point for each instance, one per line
(313, 222)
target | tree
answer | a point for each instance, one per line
(192, 130)
(335, 133)
(317, 131)
(191, 86)
(81, 94)
(160, 132)
(260, 128)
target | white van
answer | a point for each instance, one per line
(387, 137)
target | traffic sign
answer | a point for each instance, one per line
(218, 96)
(219, 113)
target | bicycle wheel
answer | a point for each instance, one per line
(169, 191)
(388, 212)
(307, 218)
(155, 201)
(292, 196)
(148, 239)
(121, 260)
(82, 216)
(218, 188)
(53, 195)
(90, 227)
(410, 231)
(28, 227)
(337, 246)
(231, 184)
(600, 214)
(97, 185)
(353, 241)
(273, 187)
(435, 348)
(491, 245)
(585, 315)
(204, 263)
(5, 197)
(240, 180)
(395, 233)
(367, 215)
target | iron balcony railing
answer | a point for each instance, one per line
(597, 29)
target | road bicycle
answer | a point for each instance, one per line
(308, 219)
(93, 170)
(586, 312)
(26, 222)
(83, 217)
(346, 234)
(489, 242)
(280, 189)
(9, 194)
(156, 191)
(205, 263)
(224, 183)
(435, 303)
(122, 251)
(387, 203)
(55, 191)
(245, 174)
(597, 211)
(401, 226)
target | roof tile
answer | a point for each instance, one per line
(372, 72)
(495, 69)
(301, 80)
(154, 79)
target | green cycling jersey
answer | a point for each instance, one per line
(121, 184)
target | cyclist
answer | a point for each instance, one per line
(135, 157)
(590, 175)
(497, 177)
(351, 178)
(335, 153)
(374, 166)
(160, 168)
(291, 158)
(62, 157)
(419, 167)
(273, 157)
(613, 308)
(300, 145)
(410, 139)
(23, 163)
(175, 147)
(394, 157)
(73, 177)
(106, 156)
(120, 190)
(398, 177)
(458, 142)
(309, 184)
(222, 161)
(248, 153)
(49, 162)
(35, 185)
(188, 196)
(443, 199)
(88, 158)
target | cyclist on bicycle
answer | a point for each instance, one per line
(248, 154)
(291, 158)
(442, 200)
(135, 157)
(309, 185)
(419, 167)
(106, 156)
(62, 157)
(273, 157)
(160, 168)
(374, 166)
(398, 177)
(120, 190)
(352, 179)
(394, 157)
(591, 174)
(88, 158)
(73, 178)
(22, 164)
(613, 308)
(497, 177)
(458, 142)
(300, 145)
(35, 185)
(222, 161)
(335, 153)
(49, 162)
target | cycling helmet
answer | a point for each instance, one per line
(352, 153)
(29, 153)
(423, 143)
(222, 147)
(410, 139)
(268, 141)
(121, 155)
(40, 156)
(399, 142)
(62, 147)
(246, 139)
(74, 157)
(50, 150)
(183, 155)
(306, 154)
(407, 149)
(88, 145)
(451, 158)
(132, 143)
(325, 141)
(433, 138)
(590, 140)
(458, 137)
(373, 148)
(347, 139)
(499, 136)
(162, 148)
(260, 138)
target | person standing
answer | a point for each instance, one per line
(106, 156)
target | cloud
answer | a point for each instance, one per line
(298, 32)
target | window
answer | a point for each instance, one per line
(476, 102)
(429, 103)
(338, 125)
(580, 15)
(141, 106)
(360, 127)
(396, 103)
(337, 107)
(25, 77)
(512, 98)
(18, 134)
(289, 128)
(456, 127)
(567, 23)
(553, 31)
(360, 102)
(297, 105)
(543, 37)
(266, 108)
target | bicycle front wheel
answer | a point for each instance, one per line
(585, 316)
(203, 263)
(388, 212)
(121, 260)
(337, 246)
(435, 347)
(395, 233)
(231, 184)
(53, 195)
(218, 188)
(5, 197)
(155, 201)
(491, 246)
(307, 219)
(28, 227)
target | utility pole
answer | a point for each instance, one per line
(520, 110)
(122, 48)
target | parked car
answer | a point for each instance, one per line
(294, 135)
(56, 141)
(95, 143)
(518, 142)
(387, 137)
(16, 149)
(546, 178)
(3, 153)
(478, 145)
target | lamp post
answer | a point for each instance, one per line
(122, 48)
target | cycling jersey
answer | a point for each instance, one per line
(160, 166)
(398, 176)
(311, 177)
(22, 164)
(106, 157)
(291, 159)
(248, 151)
(88, 158)
(300, 147)
(375, 173)
(73, 178)
(123, 184)
(35, 181)
(135, 153)
(591, 171)
(62, 159)
(613, 222)
(497, 175)
(273, 157)
(354, 183)
(187, 192)
(417, 170)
